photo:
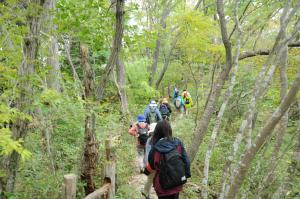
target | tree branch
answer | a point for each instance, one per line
(248, 54)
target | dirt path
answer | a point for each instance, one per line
(138, 182)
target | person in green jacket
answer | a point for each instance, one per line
(188, 102)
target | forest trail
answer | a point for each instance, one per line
(138, 180)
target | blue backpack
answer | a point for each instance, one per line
(177, 102)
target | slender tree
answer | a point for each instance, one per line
(116, 48)
(265, 132)
(121, 85)
(67, 47)
(228, 94)
(292, 170)
(281, 129)
(216, 89)
(263, 80)
(165, 13)
(170, 51)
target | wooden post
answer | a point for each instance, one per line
(69, 187)
(108, 148)
(109, 170)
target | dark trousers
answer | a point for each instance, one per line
(175, 196)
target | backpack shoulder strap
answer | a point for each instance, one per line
(157, 157)
(178, 144)
(137, 124)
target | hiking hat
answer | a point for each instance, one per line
(141, 118)
(152, 103)
(152, 127)
(165, 100)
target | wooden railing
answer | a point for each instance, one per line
(108, 188)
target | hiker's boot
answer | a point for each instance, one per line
(146, 196)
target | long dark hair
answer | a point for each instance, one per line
(162, 130)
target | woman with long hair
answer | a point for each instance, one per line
(165, 145)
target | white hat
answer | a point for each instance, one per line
(152, 127)
(152, 103)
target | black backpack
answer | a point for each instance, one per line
(171, 170)
(187, 101)
(164, 110)
(143, 134)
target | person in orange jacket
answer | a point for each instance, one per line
(140, 131)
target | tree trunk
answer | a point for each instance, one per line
(67, 46)
(198, 4)
(90, 153)
(280, 132)
(121, 84)
(293, 169)
(216, 90)
(165, 13)
(266, 131)
(54, 75)
(228, 95)
(116, 48)
(47, 130)
(26, 92)
(5, 33)
(167, 61)
(262, 82)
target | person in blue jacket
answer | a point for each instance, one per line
(152, 113)
(178, 101)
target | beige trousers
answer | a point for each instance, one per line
(141, 155)
(148, 185)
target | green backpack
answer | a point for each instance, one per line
(152, 117)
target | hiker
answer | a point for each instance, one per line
(188, 102)
(165, 109)
(140, 131)
(178, 101)
(169, 160)
(175, 92)
(152, 113)
(147, 187)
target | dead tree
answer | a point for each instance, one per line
(90, 153)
